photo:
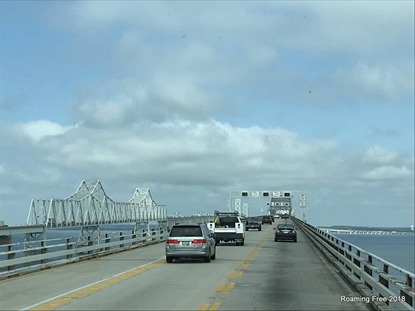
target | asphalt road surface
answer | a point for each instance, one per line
(261, 275)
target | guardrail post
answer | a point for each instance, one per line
(68, 247)
(384, 281)
(90, 243)
(121, 239)
(43, 250)
(107, 240)
(10, 255)
(409, 283)
(133, 237)
(369, 270)
(356, 262)
(153, 233)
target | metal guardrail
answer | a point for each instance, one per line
(46, 253)
(26, 257)
(382, 284)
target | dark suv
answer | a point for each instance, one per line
(268, 219)
(253, 223)
(190, 241)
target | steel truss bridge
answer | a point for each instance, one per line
(90, 206)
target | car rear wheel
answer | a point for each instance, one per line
(169, 259)
(207, 258)
(213, 257)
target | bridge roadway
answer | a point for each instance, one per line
(261, 275)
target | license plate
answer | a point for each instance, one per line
(185, 243)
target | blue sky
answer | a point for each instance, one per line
(197, 99)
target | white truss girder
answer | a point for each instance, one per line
(90, 205)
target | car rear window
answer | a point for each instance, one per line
(186, 231)
(228, 219)
(286, 227)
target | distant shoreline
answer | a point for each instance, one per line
(364, 228)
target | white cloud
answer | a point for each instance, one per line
(153, 79)
(36, 130)
(388, 172)
(379, 155)
(182, 161)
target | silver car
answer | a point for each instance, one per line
(190, 241)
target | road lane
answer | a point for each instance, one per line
(183, 285)
(24, 291)
(287, 276)
(261, 275)
(62, 282)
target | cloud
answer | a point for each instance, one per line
(156, 88)
(37, 130)
(184, 55)
(379, 155)
(188, 162)
(388, 172)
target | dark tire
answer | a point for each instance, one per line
(213, 257)
(242, 243)
(169, 259)
(276, 240)
(207, 258)
(259, 229)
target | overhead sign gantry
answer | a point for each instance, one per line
(279, 200)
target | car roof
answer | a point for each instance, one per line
(188, 225)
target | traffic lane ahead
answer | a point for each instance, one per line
(288, 276)
(181, 285)
(21, 292)
(79, 280)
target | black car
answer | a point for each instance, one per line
(285, 232)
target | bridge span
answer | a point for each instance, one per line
(261, 275)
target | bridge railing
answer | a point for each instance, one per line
(25, 257)
(387, 286)
(33, 255)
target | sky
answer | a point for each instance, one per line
(197, 99)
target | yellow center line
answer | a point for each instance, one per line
(215, 306)
(235, 275)
(208, 307)
(242, 266)
(226, 288)
(82, 292)
(204, 307)
(220, 288)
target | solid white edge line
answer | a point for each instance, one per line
(91, 284)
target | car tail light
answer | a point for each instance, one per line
(199, 241)
(172, 241)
